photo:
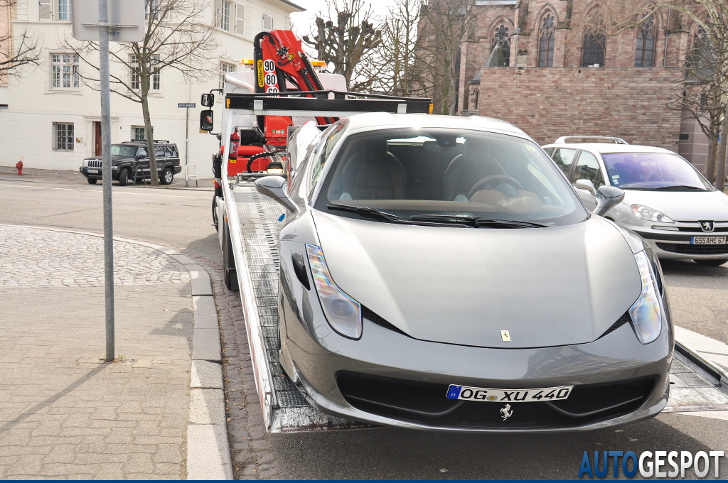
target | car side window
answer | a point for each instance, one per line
(159, 152)
(564, 158)
(142, 153)
(330, 138)
(588, 168)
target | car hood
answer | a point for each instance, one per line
(546, 286)
(113, 158)
(681, 205)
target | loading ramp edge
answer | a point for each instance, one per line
(699, 384)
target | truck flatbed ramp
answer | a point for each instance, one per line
(254, 223)
(255, 218)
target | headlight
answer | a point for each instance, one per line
(342, 312)
(648, 214)
(85, 162)
(646, 313)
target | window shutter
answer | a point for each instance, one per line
(248, 22)
(240, 19)
(267, 22)
(218, 13)
(46, 11)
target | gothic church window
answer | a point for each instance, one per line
(593, 49)
(501, 39)
(546, 42)
(645, 52)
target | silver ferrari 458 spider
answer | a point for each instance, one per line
(441, 273)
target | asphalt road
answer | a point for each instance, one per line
(181, 218)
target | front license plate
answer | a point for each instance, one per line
(93, 171)
(708, 240)
(468, 393)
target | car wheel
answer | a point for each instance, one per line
(167, 176)
(91, 180)
(123, 177)
(711, 263)
(214, 211)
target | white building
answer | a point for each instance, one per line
(52, 119)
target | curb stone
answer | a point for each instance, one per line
(208, 449)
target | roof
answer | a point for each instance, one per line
(376, 120)
(293, 5)
(605, 148)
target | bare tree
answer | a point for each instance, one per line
(444, 26)
(392, 66)
(344, 37)
(174, 39)
(15, 53)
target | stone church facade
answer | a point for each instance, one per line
(524, 64)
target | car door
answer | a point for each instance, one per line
(588, 168)
(161, 158)
(142, 164)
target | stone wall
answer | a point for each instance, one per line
(549, 103)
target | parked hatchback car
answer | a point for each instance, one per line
(667, 201)
(440, 273)
(130, 160)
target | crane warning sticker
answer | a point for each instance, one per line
(260, 73)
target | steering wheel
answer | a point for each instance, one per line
(488, 181)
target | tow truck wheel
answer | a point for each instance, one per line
(214, 211)
(91, 180)
(123, 177)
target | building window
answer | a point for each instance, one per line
(63, 136)
(593, 49)
(476, 95)
(138, 133)
(225, 9)
(225, 68)
(267, 22)
(64, 71)
(136, 80)
(546, 42)
(502, 41)
(645, 52)
(64, 10)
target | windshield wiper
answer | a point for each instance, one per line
(496, 223)
(678, 187)
(368, 211)
(475, 221)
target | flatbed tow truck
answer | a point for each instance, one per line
(248, 223)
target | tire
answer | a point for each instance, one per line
(711, 263)
(123, 177)
(214, 211)
(92, 180)
(167, 176)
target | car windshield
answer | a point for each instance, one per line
(123, 150)
(447, 176)
(656, 171)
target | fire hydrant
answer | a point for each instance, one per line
(19, 167)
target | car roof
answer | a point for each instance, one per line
(141, 143)
(607, 148)
(379, 120)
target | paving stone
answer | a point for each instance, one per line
(206, 375)
(208, 455)
(205, 312)
(207, 406)
(206, 345)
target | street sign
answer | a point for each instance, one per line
(126, 20)
(190, 105)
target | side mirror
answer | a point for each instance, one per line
(607, 198)
(275, 187)
(206, 120)
(207, 100)
(585, 184)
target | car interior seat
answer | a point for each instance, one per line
(464, 171)
(373, 173)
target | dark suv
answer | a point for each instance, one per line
(130, 161)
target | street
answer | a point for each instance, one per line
(181, 218)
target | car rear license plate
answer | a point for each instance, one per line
(708, 240)
(93, 171)
(468, 393)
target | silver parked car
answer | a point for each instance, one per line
(667, 201)
(440, 273)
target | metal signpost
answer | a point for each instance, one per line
(187, 106)
(92, 21)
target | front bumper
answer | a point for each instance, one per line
(96, 172)
(318, 360)
(676, 243)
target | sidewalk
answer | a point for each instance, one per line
(75, 177)
(157, 412)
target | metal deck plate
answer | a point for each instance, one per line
(691, 389)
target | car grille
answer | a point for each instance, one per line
(697, 231)
(94, 163)
(425, 403)
(685, 249)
